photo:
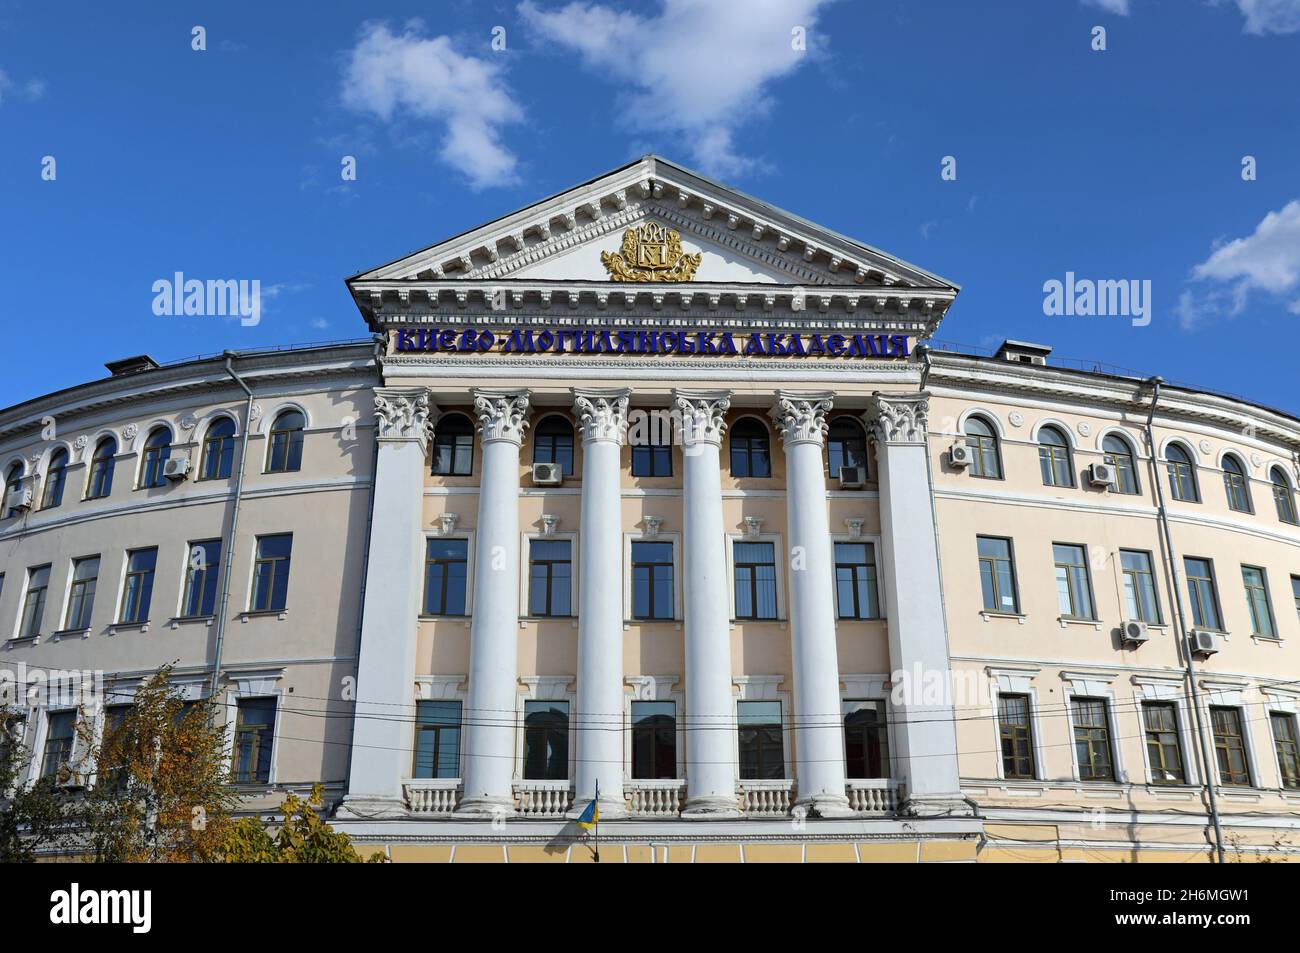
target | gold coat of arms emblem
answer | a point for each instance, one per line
(650, 252)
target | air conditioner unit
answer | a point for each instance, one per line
(547, 474)
(1204, 642)
(177, 467)
(1134, 633)
(852, 477)
(960, 455)
(1102, 474)
(19, 501)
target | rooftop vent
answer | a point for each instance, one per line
(131, 365)
(1022, 352)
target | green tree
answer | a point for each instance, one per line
(303, 838)
(33, 817)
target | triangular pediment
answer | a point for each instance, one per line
(740, 240)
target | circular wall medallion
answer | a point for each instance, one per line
(1257, 460)
(188, 422)
(1017, 418)
(1084, 428)
(1205, 446)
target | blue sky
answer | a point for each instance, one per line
(225, 163)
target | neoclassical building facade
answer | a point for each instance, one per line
(653, 494)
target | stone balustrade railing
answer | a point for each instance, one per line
(543, 798)
(765, 798)
(431, 795)
(654, 798)
(873, 795)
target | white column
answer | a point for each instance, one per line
(710, 705)
(819, 731)
(494, 626)
(925, 736)
(602, 418)
(381, 743)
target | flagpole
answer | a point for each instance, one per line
(597, 824)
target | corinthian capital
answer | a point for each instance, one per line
(898, 418)
(699, 414)
(800, 417)
(404, 413)
(502, 415)
(602, 414)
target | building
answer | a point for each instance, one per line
(656, 489)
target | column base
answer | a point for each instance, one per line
(609, 810)
(487, 807)
(937, 805)
(363, 807)
(710, 807)
(825, 805)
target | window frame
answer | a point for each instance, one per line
(979, 451)
(235, 731)
(526, 574)
(61, 455)
(567, 468)
(24, 613)
(424, 577)
(258, 561)
(290, 441)
(1071, 580)
(860, 436)
(631, 543)
(1236, 478)
(77, 591)
(1176, 469)
(438, 441)
(777, 550)
(1129, 452)
(1251, 606)
(849, 706)
(1030, 736)
(99, 476)
(145, 603)
(635, 731)
(873, 546)
(1171, 706)
(154, 457)
(1107, 724)
(437, 729)
(1283, 496)
(1242, 736)
(212, 572)
(569, 752)
(1052, 456)
(1150, 573)
(1195, 601)
(1291, 781)
(225, 449)
(1011, 563)
(780, 723)
(749, 448)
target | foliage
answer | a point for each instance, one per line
(162, 791)
(303, 837)
(32, 818)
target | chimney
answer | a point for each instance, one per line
(131, 365)
(1022, 352)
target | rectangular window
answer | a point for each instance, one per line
(111, 767)
(1139, 586)
(866, 739)
(1261, 611)
(137, 590)
(654, 740)
(271, 573)
(59, 735)
(1295, 593)
(81, 597)
(652, 460)
(755, 565)
(550, 577)
(38, 587)
(1073, 587)
(1200, 591)
(446, 562)
(1092, 739)
(437, 739)
(1230, 746)
(997, 574)
(762, 749)
(201, 578)
(856, 595)
(1016, 734)
(254, 732)
(652, 580)
(1288, 755)
(1160, 723)
(546, 740)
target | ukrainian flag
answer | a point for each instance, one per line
(590, 817)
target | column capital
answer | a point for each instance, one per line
(899, 418)
(404, 414)
(602, 413)
(800, 416)
(502, 415)
(698, 416)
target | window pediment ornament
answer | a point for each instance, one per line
(502, 416)
(898, 418)
(404, 413)
(602, 414)
(801, 418)
(698, 416)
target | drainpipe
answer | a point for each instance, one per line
(229, 545)
(1185, 641)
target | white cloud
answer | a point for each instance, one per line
(698, 69)
(320, 324)
(1270, 16)
(1266, 261)
(30, 91)
(407, 76)
(1118, 7)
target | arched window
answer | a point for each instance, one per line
(56, 475)
(1282, 495)
(553, 443)
(13, 483)
(1235, 485)
(1119, 454)
(846, 446)
(157, 449)
(453, 446)
(751, 454)
(1182, 474)
(983, 442)
(1054, 457)
(284, 449)
(218, 450)
(101, 469)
